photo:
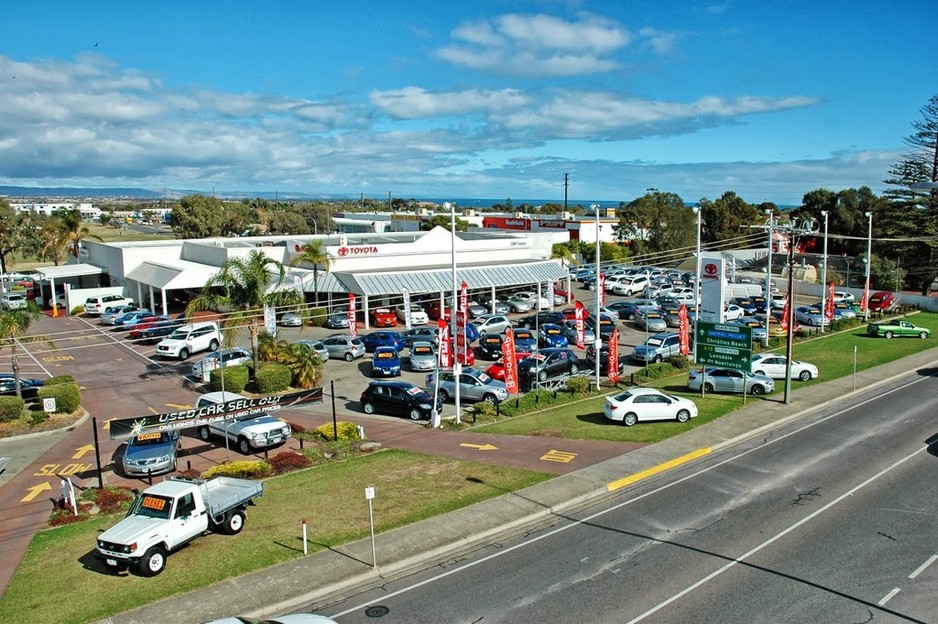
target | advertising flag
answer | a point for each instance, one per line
(601, 285)
(786, 313)
(829, 304)
(550, 295)
(864, 300)
(352, 327)
(461, 314)
(446, 357)
(579, 314)
(510, 360)
(683, 339)
(612, 361)
(407, 321)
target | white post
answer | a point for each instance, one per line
(768, 280)
(869, 261)
(305, 545)
(696, 210)
(598, 344)
(457, 365)
(824, 275)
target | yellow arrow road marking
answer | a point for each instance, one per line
(107, 424)
(81, 450)
(480, 447)
(35, 490)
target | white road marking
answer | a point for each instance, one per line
(888, 597)
(922, 567)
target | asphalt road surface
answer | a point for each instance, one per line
(830, 519)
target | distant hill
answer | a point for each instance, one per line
(90, 193)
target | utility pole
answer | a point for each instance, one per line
(566, 180)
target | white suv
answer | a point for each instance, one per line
(13, 301)
(189, 339)
(250, 432)
(97, 305)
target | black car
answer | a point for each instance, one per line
(398, 398)
(604, 360)
(606, 325)
(542, 318)
(490, 346)
(29, 388)
(422, 334)
(548, 363)
(159, 329)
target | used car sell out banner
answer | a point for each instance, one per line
(446, 345)
(352, 329)
(682, 330)
(510, 359)
(579, 314)
(612, 361)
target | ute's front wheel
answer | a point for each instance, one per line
(153, 561)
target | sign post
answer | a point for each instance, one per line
(723, 346)
(369, 496)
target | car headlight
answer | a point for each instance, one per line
(258, 436)
(285, 431)
(163, 458)
(130, 462)
(425, 406)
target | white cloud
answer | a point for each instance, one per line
(415, 102)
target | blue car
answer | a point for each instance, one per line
(747, 304)
(386, 362)
(128, 319)
(551, 335)
(377, 339)
(759, 332)
(525, 341)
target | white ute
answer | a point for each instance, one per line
(171, 514)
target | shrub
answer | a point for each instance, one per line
(110, 499)
(78, 310)
(67, 396)
(318, 316)
(37, 417)
(244, 469)
(287, 461)
(273, 378)
(680, 362)
(346, 430)
(297, 427)
(11, 408)
(59, 379)
(579, 385)
(235, 379)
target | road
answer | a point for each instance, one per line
(830, 519)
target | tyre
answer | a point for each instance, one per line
(574, 369)
(542, 376)
(923, 335)
(657, 358)
(213, 345)
(368, 407)
(415, 414)
(204, 434)
(349, 357)
(889, 334)
(153, 561)
(629, 419)
(244, 446)
(444, 395)
(234, 522)
(758, 389)
(805, 376)
(708, 387)
(683, 416)
(183, 354)
(489, 398)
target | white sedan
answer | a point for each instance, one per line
(647, 404)
(772, 365)
(417, 314)
(733, 313)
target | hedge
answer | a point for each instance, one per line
(318, 316)
(235, 379)
(346, 430)
(11, 408)
(272, 378)
(244, 469)
(59, 379)
(67, 396)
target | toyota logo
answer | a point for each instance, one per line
(710, 269)
(343, 251)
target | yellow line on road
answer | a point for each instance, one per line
(644, 474)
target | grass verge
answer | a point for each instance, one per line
(60, 581)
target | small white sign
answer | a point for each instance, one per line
(48, 405)
(369, 492)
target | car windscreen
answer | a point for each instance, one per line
(150, 439)
(153, 506)
(179, 334)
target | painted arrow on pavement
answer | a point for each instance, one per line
(480, 447)
(81, 450)
(35, 490)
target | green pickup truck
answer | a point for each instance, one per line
(889, 329)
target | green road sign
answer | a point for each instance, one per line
(726, 346)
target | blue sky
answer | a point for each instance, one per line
(464, 99)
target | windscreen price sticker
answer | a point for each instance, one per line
(48, 405)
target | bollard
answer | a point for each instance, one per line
(265, 452)
(301, 444)
(361, 432)
(498, 409)
(188, 465)
(149, 476)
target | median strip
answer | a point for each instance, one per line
(644, 474)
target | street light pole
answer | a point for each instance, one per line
(457, 365)
(768, 278)
(598, 342)
(824, 274)
(793, 230)
(869, 258)
(696, 208)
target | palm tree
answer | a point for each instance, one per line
(304, 363)
(314, 253)
(13, 327)
(72, 231)
(242, 287)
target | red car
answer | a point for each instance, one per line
(383, 317)
(497, 369)
(567, 296)
(882, 301)
(145, 323)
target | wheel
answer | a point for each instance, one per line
(657, 358)
(708, 387)
(889, 334)
(153, 561)
(444, 395)
(683, 416)
(183, 354)
(758, 389)
(205, 434)
(415, 414)
(923, 335)
(234, 522)
(629, 419)
(349, 357)
(244, 446)
(574, 369)
(542, 376)
(761, 372)
(489, 398)
(213, 345)
(805, 375)
(368, 407)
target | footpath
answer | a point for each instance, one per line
(335, 572)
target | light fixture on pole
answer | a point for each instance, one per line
(598, 344)
(457, 365)
(824, 274)
(868, 261)
(697, 210)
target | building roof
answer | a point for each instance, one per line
(173, 275)
(67, 270)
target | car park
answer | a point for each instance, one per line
(188, 339)
(525, 340)
(728, 380)
(490, 346)
(492, 324)
(539, 302)
(475, 309)
(383, 338)
(221, 359)
(13, 301)
(152, 331)
(650, 320)
(338, 320)
(422, 356)
(385, 362)
(417, 314)
(316, 346)
(250, 431)
(422, 334)
(149, 454)
(641, 404)
(112, 313)
(658, 348)
(474, 385)
(626, 309)
(773, 365)
(383, 317)
(551, 335)
(630, 286)
(145, 322)
(548, 363)
(97, 305)
(398, 398)
(344, 347)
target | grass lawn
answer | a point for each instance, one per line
(832, 353)
(60, 581)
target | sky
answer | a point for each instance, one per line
(464, 99)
